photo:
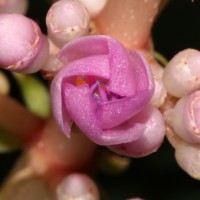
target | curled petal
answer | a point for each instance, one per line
(118, 59)
(128, 106)
(73, 69)
(152, 138)
(116, 85)
(85, 118)
(185, 117)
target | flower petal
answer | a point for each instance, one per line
(121, 79)
(84, 47)
(81, 107)
(79, 67)
(124, 108)
(62, 117)
(142, 72)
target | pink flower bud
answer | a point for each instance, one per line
(77, 186)
(185, 117)
(101, 89)
(13, 6)
(66, 20)
(182, 74)
(152, 138)
(186, 154)
(23, 46)
(94, 6)
(188, 158)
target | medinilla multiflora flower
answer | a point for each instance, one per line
(101, 88)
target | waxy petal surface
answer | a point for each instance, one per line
(115, 85)
(80, 106)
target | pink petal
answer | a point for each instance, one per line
(122, 81)
(83, 47)
(113, 113)
(125, 108)
(79, 67)
(152, 138)
(118, 58)
(81, 107)
(142, 73)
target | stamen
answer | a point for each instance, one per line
(97, 98)
(102, 92)
(93, 87)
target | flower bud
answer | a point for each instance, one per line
(23, 47)
(66, 20)
(151, 139)
(185, 117)
(94, 7)
(187, 154)
(13, 6)
(182, 73)
(77, 186)
(188, 158)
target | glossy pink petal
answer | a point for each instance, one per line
(118, 58)
(79, 67)
(125, 108)
(80, 106)
(152, 138)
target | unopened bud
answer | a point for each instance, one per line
(77, 187)
(23, 47)
(182, 73)
(185, 117)
(66, 20)
(152, 138)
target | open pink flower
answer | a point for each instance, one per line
(101, 89)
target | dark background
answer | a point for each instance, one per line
(156, 177)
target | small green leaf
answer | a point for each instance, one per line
(8, 142)
(35, 94)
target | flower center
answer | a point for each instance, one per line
(97, 87)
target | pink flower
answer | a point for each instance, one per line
(101, 89)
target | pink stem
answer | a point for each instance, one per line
(18, 120)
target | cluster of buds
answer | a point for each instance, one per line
(182, 81)
(105, 81)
